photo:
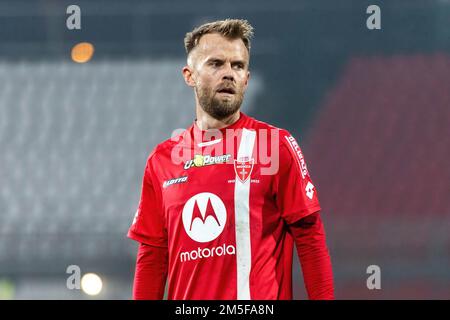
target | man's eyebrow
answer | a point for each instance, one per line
(239, 61)
(216, 59)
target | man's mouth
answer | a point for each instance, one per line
(227, 90)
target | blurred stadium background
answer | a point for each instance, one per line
(371, 110)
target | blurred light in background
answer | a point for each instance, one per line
(91, 284)
(7, 289)
(82, 52)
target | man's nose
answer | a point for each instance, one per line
(228, 72)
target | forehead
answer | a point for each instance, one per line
(214, 44)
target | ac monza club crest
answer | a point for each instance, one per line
(243, 168)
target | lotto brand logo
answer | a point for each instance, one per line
(204, 217)
(309, 190)
(170, 182)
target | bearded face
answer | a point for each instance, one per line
(218, 71)
(221, 101)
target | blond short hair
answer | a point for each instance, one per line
(229, 28)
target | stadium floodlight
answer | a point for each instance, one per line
(91, 284)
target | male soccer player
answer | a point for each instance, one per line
(223, 203)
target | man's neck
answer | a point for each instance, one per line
(205, 121)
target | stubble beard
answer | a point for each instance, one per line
(218, 107)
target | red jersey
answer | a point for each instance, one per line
(220, 201)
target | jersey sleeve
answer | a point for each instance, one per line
(296, 194)
(149, 225)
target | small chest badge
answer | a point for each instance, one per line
(243, 168)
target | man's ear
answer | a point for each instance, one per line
(188, 75)
(246, 81)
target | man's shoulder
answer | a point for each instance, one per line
(167, 145)
(271, 129)
(259, 124)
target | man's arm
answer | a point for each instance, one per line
(309, 236)
(151, 273)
